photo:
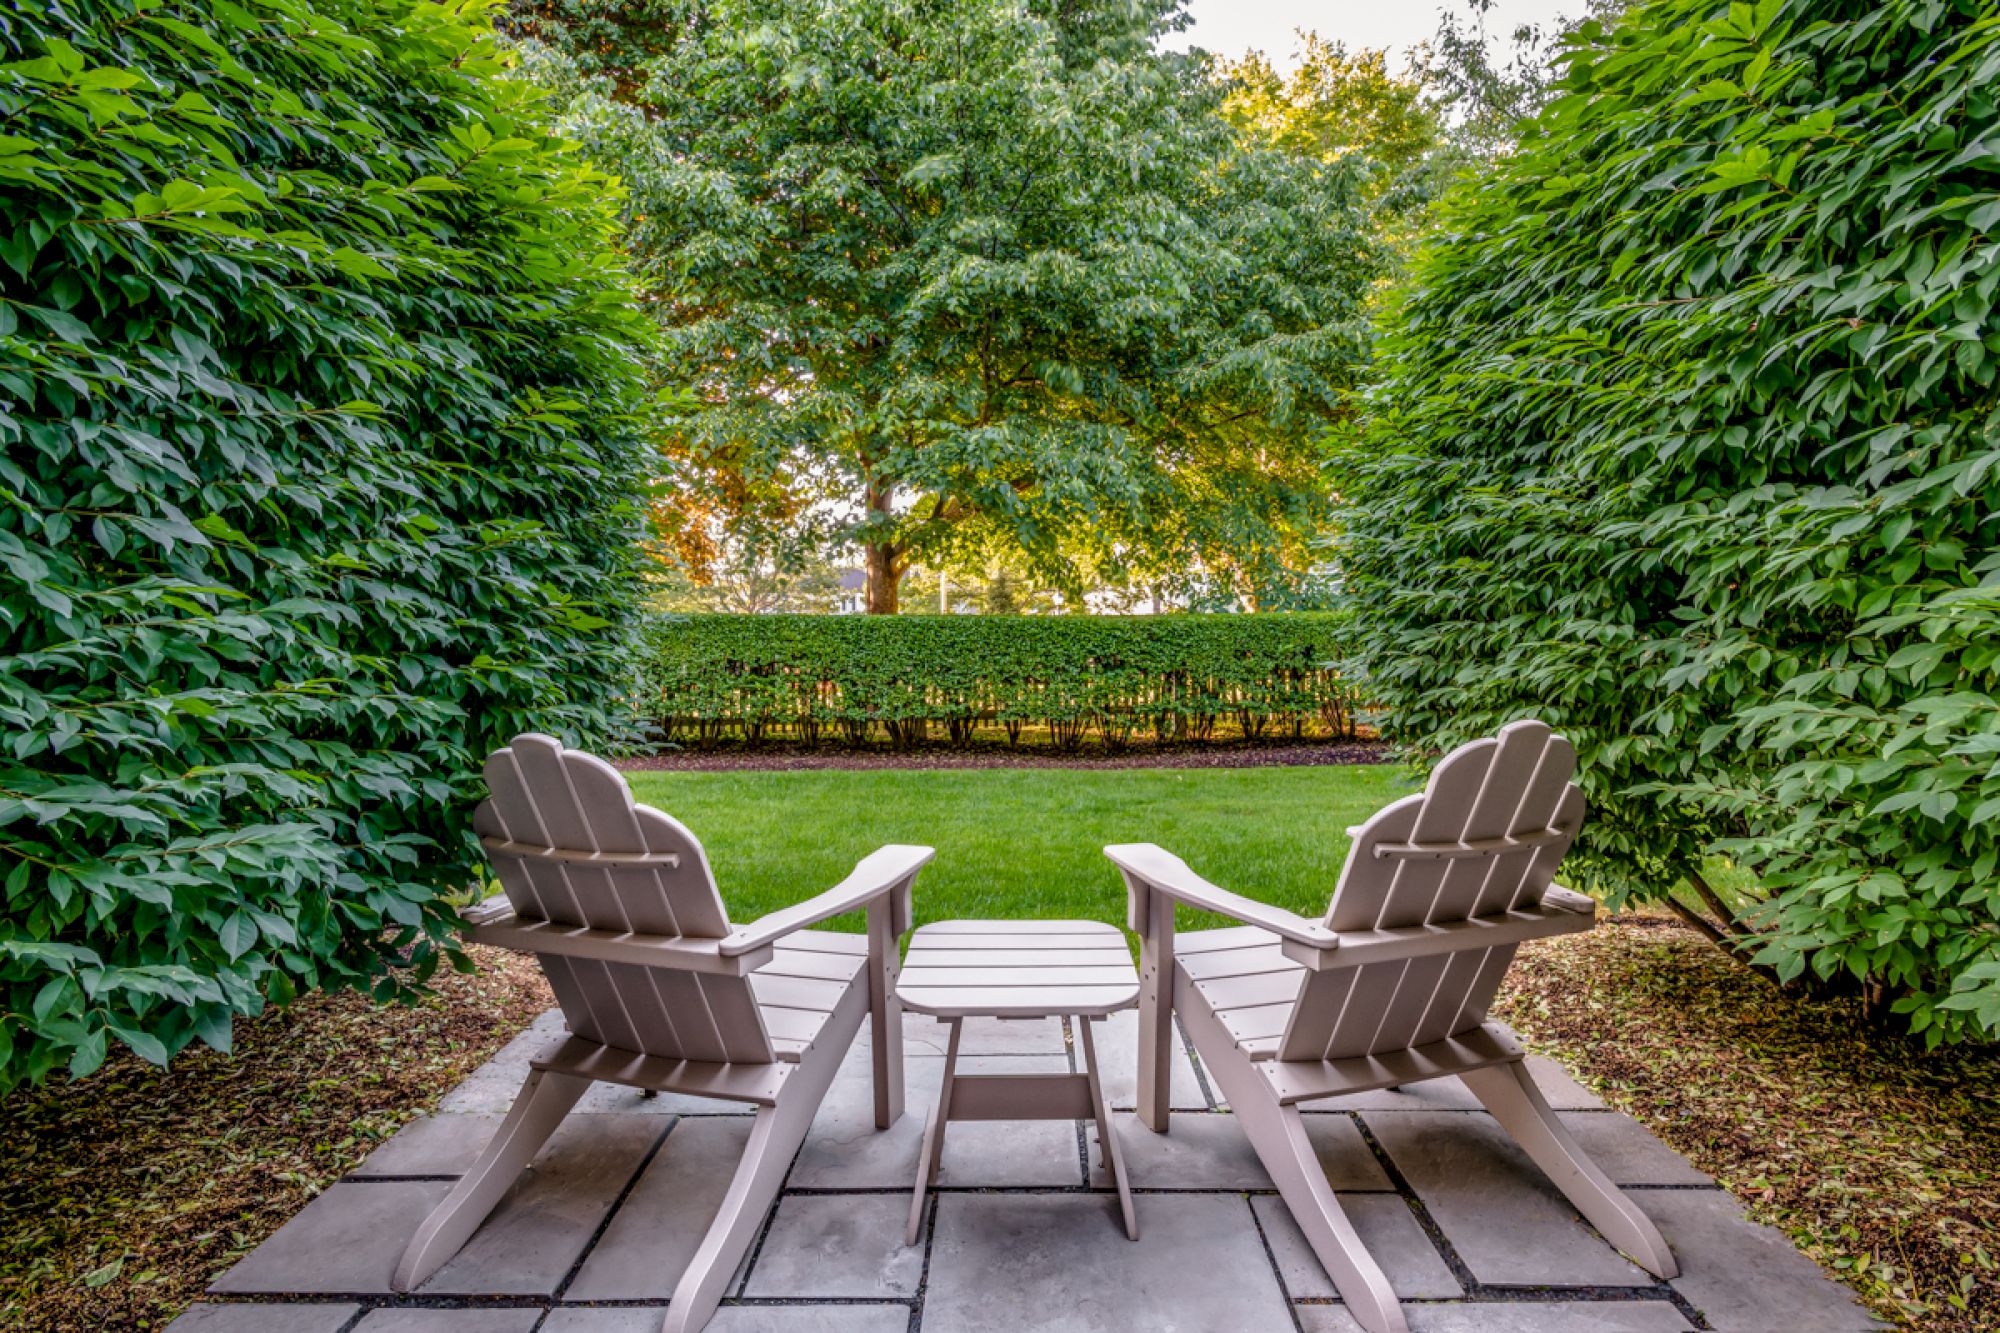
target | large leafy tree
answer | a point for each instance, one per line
(973, 275)
(320, 459)
(1688, 441)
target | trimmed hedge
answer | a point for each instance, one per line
(320, 475)
(1686, 441)
(708, 676)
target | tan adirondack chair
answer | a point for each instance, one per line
(660, 992)
(1390, 988)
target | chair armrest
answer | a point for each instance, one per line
(882, 871)
(1163, 872)
(491, 908)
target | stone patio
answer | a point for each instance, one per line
(1023, 1233)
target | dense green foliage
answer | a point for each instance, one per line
(1173, 674)
(1688, 441)
(989, 277)
(314, 390)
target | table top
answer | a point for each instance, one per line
(1018, 969)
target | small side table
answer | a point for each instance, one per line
(1019, 969)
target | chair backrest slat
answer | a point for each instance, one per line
(544, 796)
(1482, 793)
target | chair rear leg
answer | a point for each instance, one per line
(1279, 1136)
(1511, 1095)
(542, 1103)
(774, 1141)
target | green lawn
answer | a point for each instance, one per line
(1024, 842)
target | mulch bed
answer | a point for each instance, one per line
(1879, 1159)
(1211, 754)
(127, 1193)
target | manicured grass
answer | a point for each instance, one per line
(1025, 842)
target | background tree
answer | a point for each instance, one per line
(977, 272)
(1685, 441)
(1335, 105)
(745, 578)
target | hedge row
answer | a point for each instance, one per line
(318, 452)
(1176, 676)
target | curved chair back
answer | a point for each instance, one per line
(1483, 838)
(572, 847)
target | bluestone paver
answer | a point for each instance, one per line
(1743, 1276)
(655, 1232)
(486, 1320)
(1117, 1040)
(1201, 1151)
(264, 1318)
(1388, 1228)
(1638, 1316)
(1060, 1263)
(345, 1242)
(1627, 1151)
(1500, 1213)
(924, 1035)
(844, 1150)
(432, 1145)
(837, 1245)
(740, 1319)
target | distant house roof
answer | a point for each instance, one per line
(853, 580)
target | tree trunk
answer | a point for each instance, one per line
(885, 569)
(883, 578)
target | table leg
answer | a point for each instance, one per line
(1114, 1157)
(933, 1150)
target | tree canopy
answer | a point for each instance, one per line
(971, 276)
(1687, 441)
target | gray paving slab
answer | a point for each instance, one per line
(740, 1319)
(522, 1320)
(844, 1150)
(1639, 1316)
(1744, 1276)
(1500, 1213)
(432, 1145)
(1388, 1228)
(1627, 1150)
(1204, 1150)
(263, 1318)
(1060, 1263)
(1563, 1092)
(1117, 1040)
(346, 1241)
(924, 1035)
(837, 1245)
(349, 1238)
(647, 1245)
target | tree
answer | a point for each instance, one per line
(1685, 441)
(978, 272)
(319, 397)
(1336, 105)
(744, 579)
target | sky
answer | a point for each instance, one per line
(1231, 27)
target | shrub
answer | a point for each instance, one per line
(1686, 441)
(314, 392)
(1173, 675)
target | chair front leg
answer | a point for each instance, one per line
(885, 1011)
(1151, 914)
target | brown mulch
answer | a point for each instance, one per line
(127, 1193)
(1211, 754)
(1879, 1159)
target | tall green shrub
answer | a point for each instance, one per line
(317, 479)
(1172, 675)
(1687, 440)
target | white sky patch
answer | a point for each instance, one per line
(1231, 27)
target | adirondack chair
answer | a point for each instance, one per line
(1391, 988)
(662, 993)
